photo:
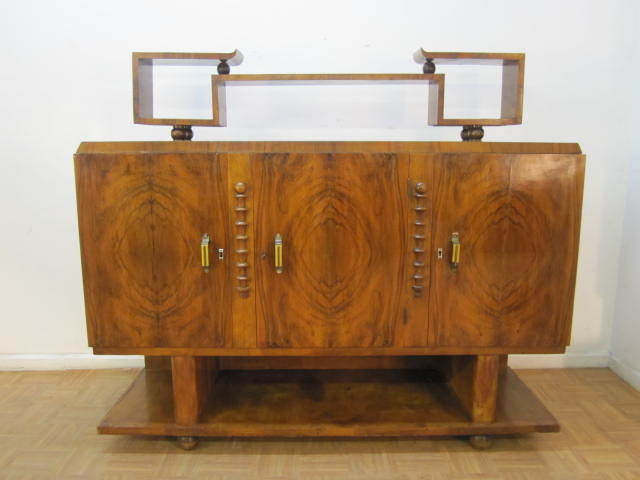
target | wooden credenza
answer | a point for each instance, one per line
(328, 288)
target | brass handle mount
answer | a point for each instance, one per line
(278, 253)
(455, 251)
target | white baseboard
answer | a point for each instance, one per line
(75, 361)
(563, 360)
(626, 372)
(82, 361)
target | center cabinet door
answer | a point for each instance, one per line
(353, 240)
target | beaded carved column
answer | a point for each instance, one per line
(241, 237)
(242, 250)
(419, 237)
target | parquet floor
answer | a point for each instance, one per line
(48, 420)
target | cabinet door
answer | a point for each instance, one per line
(348, 229)
(141, 221)
(517, 219)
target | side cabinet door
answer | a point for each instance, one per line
(351, 252)
(141, 219)
(517, 221)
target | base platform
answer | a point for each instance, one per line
(325, 403)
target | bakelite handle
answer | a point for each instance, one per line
(455, 250)
(204, 251)
(278, 253)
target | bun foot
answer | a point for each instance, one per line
(187, 443)
(481, 442)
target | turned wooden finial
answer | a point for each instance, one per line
(429, 66)
(182, 132)
(472, 133)
(240, 187)
(223, 67)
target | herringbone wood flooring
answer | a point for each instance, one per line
(48, 430)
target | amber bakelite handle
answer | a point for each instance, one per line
(204, 251)
(455, 250)
(278, 253)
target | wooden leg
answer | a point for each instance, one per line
(474, 379)
(192, 379)
(157, 363)
(481, 442)
(504, 362)
(187, 443)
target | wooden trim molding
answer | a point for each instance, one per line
(319, 352)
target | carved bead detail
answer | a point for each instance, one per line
(419, 238)
(472, 133)
(241, 237)
(182, 132)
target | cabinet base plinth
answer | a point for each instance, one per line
(325, 403)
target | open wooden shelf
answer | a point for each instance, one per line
(142, 69)
(512, 84)
(218, 82)
(349, 403)
(511, 100)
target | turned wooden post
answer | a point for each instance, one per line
(192, 379)
(474, 380)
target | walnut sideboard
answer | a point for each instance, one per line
(328, 288)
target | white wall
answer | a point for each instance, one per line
(65, 78)
(625, 347)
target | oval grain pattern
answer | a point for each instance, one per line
(518, 217)
(141, 218)
(342, 222)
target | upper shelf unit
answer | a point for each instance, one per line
(511, 97)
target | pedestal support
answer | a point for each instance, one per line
(192, 379)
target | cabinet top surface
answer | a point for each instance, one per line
(326, 147)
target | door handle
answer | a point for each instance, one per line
(204, 251)
(278, 253)
(455, 251)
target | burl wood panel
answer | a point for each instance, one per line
(344, 220)
(141, 219)
(518, 217)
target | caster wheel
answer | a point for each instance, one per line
(187, 443)
(481, 442)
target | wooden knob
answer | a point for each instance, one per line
(240, 187)
(472, 133)
(182, 132)
(420, 187)
(429, 66)
(223, 67)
